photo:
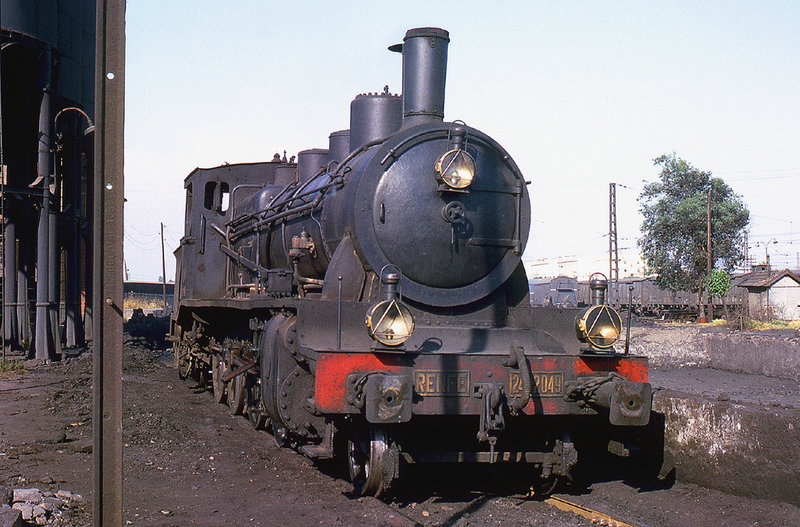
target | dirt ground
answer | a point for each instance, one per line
(189, 462)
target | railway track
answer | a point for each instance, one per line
(595, 516)
(561, 503)
(451, 511)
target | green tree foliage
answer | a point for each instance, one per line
(673, 244)
(719, 283)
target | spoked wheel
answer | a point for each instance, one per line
(218, 372)
(372, 461)
(279, 434)
(256, 413)
(543, 487)
(237, 396)
(181, 358)
(257, 418)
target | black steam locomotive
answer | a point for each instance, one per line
(369, 301)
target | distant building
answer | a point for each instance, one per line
(150, 291)
(772, 294)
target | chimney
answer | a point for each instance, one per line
(424, 70)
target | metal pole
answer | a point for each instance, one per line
(53, 253)
(107, 262)
(43, 338)
(339, 316)
(613, 247)
(708, 254)
(163, 270)
(628, 328)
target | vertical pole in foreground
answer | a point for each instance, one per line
(5, 226)
(109, 94)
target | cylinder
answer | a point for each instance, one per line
(339, 145)
(424, 72)
(374, 116)
(310, 162)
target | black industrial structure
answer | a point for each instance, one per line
(372, 297)
(47, 64)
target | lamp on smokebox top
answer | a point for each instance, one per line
(390, 322)
(599, 325)
(456, 167)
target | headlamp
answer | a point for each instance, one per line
(599, 326)
(390, 322)
(456, 168)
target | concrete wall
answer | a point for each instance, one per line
(758, 353)
(753, 353)
(733, 448)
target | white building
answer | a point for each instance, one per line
(772, 294)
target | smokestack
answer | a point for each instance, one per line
(424, 70)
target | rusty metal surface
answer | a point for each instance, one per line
(107, 273)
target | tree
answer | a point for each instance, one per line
(719, 283)
(673, 241)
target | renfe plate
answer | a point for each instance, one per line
(442, 383)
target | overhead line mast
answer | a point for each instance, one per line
(613, 248)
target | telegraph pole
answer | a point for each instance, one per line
(708, 254)
(163, 270)
(613, 249)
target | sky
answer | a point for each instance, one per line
(581, 94)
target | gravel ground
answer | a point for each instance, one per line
(188, 462)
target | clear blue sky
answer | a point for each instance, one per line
(580, 93)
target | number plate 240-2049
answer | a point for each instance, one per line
(546, 384)
(457, 383)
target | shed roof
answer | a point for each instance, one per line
(766, 278)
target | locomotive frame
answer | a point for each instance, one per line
(369, 301)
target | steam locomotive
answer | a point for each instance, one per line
(368, 302)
